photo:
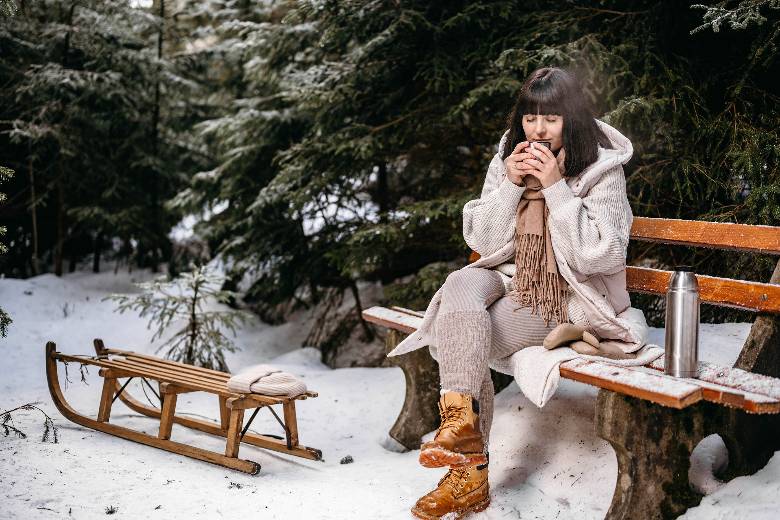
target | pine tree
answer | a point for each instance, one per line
(246, 119)
(201, 340)
(96, 151)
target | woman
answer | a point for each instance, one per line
(551, 227)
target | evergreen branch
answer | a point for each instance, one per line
(49, 428)
(741, 17)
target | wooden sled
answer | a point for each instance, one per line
(173, 379)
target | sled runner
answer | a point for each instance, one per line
(173, 379)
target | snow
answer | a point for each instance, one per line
(545, 463)
(708, 458)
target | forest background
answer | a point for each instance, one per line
(316, 145)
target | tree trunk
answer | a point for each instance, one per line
(156, 227)
(381, 192)
(34, 261)
(60, 212)
(367, 332)
(382, 199)
(60, 227)
(96, 253)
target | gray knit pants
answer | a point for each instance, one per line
(478, 322)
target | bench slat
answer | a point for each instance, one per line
(724, 292)
(722, 394)
(665, 391)
(697, 233)
(393, 319)
(733, 378)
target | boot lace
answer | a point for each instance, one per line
(451, 416)
(455, 478)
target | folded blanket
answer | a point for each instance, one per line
(267, 380)
(537, 369)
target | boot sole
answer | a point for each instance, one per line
(437, 457)
(459, 513)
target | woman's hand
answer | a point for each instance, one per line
(513, 164)
(540, 162)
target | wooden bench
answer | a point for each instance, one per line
(173, 379)
(653, 421)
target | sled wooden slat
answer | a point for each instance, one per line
(654, 386)
(183, 366)
(174, 378)
(129, 368)
(165, 366)
(169, 375)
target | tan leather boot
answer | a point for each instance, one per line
(461, 491)
(458, 441)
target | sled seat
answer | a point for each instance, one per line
(173, 378)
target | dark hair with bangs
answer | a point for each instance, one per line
(552, 90)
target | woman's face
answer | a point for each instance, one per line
(544, 127)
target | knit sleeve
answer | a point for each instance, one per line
(592, 231)
(489, 221)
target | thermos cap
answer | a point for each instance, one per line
(683, 279)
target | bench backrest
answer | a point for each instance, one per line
(726, 292)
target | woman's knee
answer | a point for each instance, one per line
(469, 279)
(473, 288)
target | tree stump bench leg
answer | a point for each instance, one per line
(653, 445)
(420, 412)
(751, 440)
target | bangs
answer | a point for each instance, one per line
(543, 97)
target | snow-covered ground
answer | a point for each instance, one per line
(545, 463)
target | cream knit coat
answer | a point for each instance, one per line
(590, 222)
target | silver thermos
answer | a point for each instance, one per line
(682, 323)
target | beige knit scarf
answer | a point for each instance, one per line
(537, 283)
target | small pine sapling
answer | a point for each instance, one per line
(5, 319)
(200, 341)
